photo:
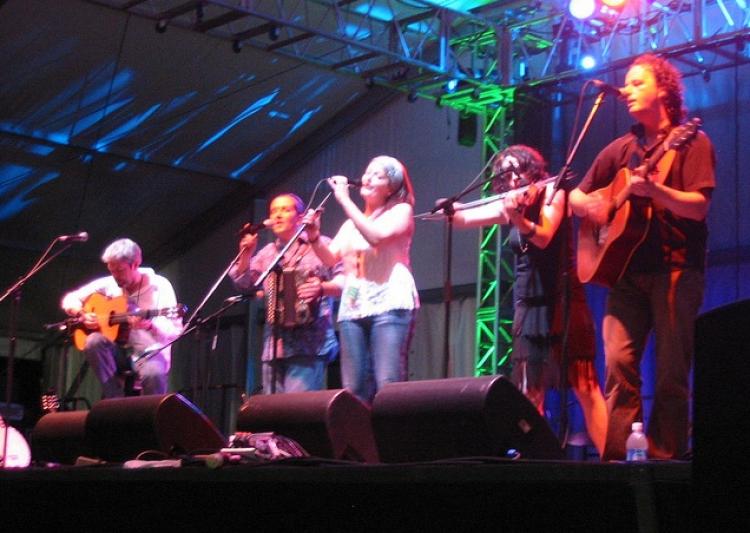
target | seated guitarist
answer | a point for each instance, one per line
(662, 286)
(143, 290)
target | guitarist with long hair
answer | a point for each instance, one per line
(127, 292)
(658, 275)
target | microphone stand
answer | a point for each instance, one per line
(194, 323)
(229, 302)
(448, 208)
(64, 330)
(15, 291)
(566, 228)
(447, 287)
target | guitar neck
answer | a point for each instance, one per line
(652, 161)
(676, 138)
(121, 318)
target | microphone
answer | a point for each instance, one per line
(606, 88)
(78, 237)
(351, 182)
(252, 229)
(238, 298)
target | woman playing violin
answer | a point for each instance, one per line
(535, 213)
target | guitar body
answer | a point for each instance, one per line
(112, 312)
(605, 251)
(104, 307)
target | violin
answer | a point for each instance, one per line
(529, 194)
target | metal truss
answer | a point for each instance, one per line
(419, 46)
(495, 273)
(415, 46)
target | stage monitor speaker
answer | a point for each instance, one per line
(60, 437)
(120, 429)
(458, 417)
(332, 424)
(721, 428)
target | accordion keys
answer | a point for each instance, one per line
(283, 307)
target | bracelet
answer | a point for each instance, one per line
(531, 232)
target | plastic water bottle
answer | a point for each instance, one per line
(636, 446)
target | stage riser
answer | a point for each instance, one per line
(540, 496)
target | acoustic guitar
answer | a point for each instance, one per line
(604, 251)
(113, 312)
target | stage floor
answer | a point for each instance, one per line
(316, 495)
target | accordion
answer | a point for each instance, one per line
(283, 307)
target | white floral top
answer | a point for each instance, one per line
(377, 279)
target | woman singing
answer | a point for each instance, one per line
(379, 298)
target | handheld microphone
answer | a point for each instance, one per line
(606, 88)
(252, 229)
(78, 237)
(351, 182)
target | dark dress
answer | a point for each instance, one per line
(539, 313)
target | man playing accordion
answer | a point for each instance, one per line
(298, 337)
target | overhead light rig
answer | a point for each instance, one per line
(420, 47)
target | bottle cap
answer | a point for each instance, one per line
(637, 426)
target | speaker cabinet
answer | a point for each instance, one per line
(119, 429)
(330, 423)
(60, 437)
(458, 417)
(721, 412)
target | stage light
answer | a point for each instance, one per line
(581, 9)
(274, 33)
(236, 46)
(523, 71)
(451, 86)
(161, 25)
(588, 62)
(412, 96)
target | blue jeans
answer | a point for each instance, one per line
(374, 351)
(298, 373)
(108, 360)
